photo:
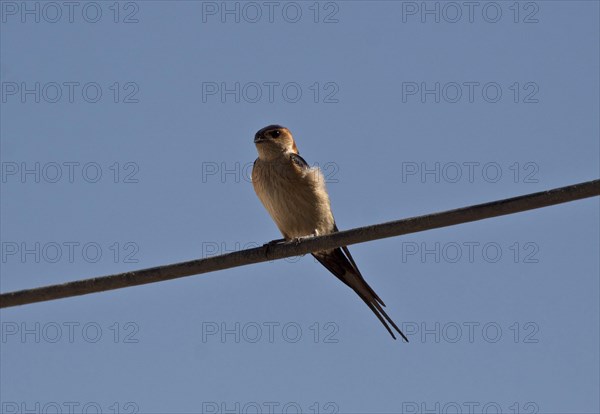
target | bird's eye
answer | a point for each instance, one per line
(275, 133)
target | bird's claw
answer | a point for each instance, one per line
(295, 240)
(274, 242)
(298, 240)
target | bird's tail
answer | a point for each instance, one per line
(341, 264)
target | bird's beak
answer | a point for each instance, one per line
(259, 138)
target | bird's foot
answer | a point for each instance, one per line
(298, 240)
(274, 242)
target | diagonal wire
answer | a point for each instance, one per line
(282, 250)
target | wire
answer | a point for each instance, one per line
(272, 251)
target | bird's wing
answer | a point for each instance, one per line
(299, 161)
(340, 262)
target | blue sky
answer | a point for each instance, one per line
(127, 143)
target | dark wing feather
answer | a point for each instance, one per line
(299, 161)
(341, 264)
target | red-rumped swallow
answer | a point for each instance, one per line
(295, 196)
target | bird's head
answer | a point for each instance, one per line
(273, 141)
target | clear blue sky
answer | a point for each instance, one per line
(127, 143)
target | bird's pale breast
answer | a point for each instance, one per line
(295, 198)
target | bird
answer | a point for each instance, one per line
(295, 196)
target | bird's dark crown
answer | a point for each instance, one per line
(268, 128)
